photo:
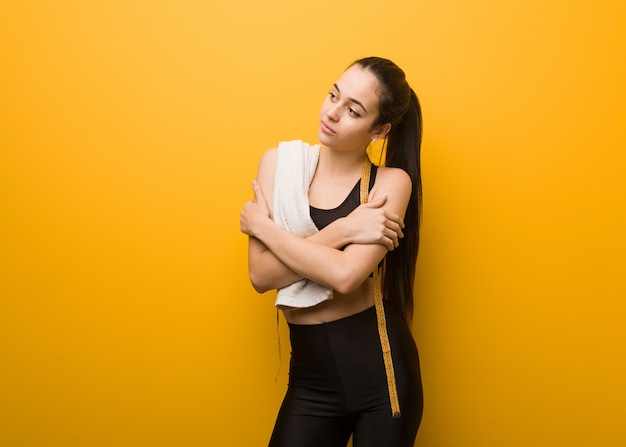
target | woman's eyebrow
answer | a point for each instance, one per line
(351, 99)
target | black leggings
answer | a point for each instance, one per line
(338, 387)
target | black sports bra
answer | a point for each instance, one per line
(322, 217)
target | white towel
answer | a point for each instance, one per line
(295, 166)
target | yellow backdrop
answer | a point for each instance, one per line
(130, 132)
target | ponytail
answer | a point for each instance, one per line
(399, 106)
(403, 151)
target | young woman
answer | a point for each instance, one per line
(340, 384)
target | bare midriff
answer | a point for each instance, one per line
(340, 306)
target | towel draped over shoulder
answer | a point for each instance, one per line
(295, 166)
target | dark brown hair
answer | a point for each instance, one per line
(400, 107)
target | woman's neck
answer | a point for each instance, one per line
(337, 163)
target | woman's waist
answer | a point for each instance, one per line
(340, 306)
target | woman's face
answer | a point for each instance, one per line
(350, 110)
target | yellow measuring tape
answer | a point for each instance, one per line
(380, 311)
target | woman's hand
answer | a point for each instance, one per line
(370, 223)
(253, 211)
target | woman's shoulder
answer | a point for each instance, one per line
(270, 153)
(268, 158)
(289, 153)
(393, 175)
(395, 183)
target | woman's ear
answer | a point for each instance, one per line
(381, 132)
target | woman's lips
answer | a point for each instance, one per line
(326, 129)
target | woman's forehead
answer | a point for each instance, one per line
(359, 84)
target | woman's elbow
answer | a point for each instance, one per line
(259, 283)
(346, 283)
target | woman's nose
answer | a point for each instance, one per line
(332, 113)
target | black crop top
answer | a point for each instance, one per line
(322, 217)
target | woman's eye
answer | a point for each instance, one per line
(353, 113)
(332, 95)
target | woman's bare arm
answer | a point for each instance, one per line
(368, 224)
(341, 270)
(360, 227)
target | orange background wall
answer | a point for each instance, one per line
(130, 132)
